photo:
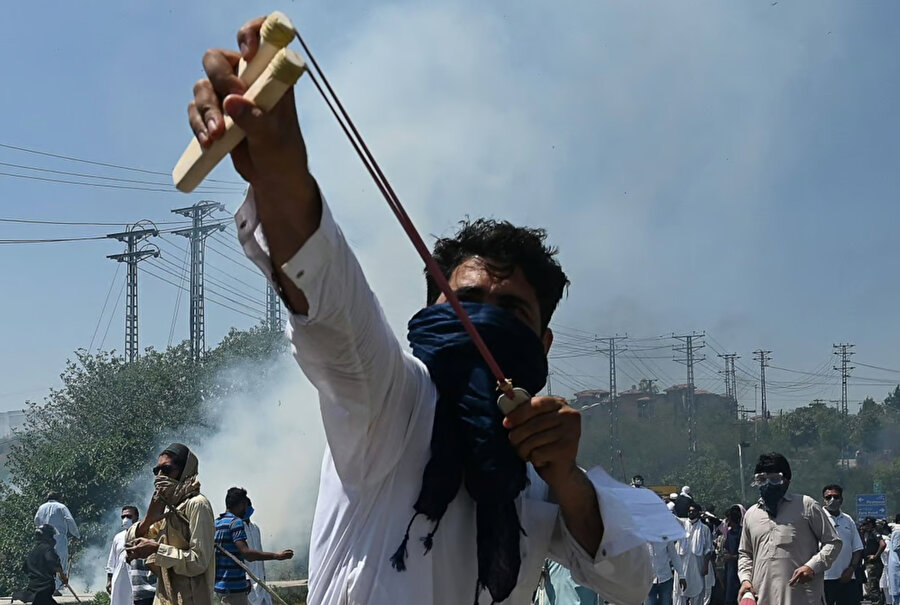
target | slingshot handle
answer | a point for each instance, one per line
(196, 162)
(276, 32)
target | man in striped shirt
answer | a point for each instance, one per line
(232, 584)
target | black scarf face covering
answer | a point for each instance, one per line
(469, 444)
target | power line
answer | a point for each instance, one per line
(91, 176)
(55, 240)
(107, 186)
(105, 164)
(103, 310)
(211, 299)
(211, 289)
(78, 223)
(112, 314)
(252, 287)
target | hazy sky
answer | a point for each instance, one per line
(713, 166)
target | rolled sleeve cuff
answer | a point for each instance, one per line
(167, 555)
(631, 517)
(817, 564)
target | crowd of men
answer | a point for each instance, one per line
(787, 548)
(418, 445)
(177, 554)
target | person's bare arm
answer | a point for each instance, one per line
(272, 157)
(250, 554)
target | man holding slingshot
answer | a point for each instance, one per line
(407, 431)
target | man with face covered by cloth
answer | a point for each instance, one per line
(787, 541)
(177, 536)
(429, 494)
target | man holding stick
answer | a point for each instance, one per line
(407, 431)
(232, 584)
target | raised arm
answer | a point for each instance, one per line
(272, 158)
(368, 387)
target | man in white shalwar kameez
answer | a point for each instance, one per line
(381, 404)
(55, 513)
(118, 572)
(696, 550)
(258, 595)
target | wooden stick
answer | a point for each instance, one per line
(276, 32)
(196, 162)
(251, 574)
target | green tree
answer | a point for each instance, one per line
(89, 438)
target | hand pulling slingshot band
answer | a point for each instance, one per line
(197, 162)
(251, 574)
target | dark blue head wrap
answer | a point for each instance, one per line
(468, 442)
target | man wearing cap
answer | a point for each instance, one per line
(177, 536)
(787, 542)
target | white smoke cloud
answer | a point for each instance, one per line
(269, 442)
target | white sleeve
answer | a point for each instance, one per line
(113, 562)
(676, 559)
(70, 523)
(370, 389)
(622, 570)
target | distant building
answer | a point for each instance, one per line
(646, 403)
(589, 397)
(9, 421)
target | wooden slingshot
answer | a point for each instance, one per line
(273, 70)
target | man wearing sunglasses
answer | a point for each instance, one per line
(177, 536)
(841, 587)
(787, 541)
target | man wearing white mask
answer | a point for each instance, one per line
(128, 583)
(841, 587)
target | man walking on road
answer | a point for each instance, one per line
(841, 587)
(787, 541)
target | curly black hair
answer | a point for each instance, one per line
(506, 247)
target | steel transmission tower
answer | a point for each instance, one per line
(132, 256)
(731, 379)
(197, 234)
(273, 310)
(844, 350)
(689, 348)
(612, 349)
(763, 357)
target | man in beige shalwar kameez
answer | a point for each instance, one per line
(787, 542)
(177, 536)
